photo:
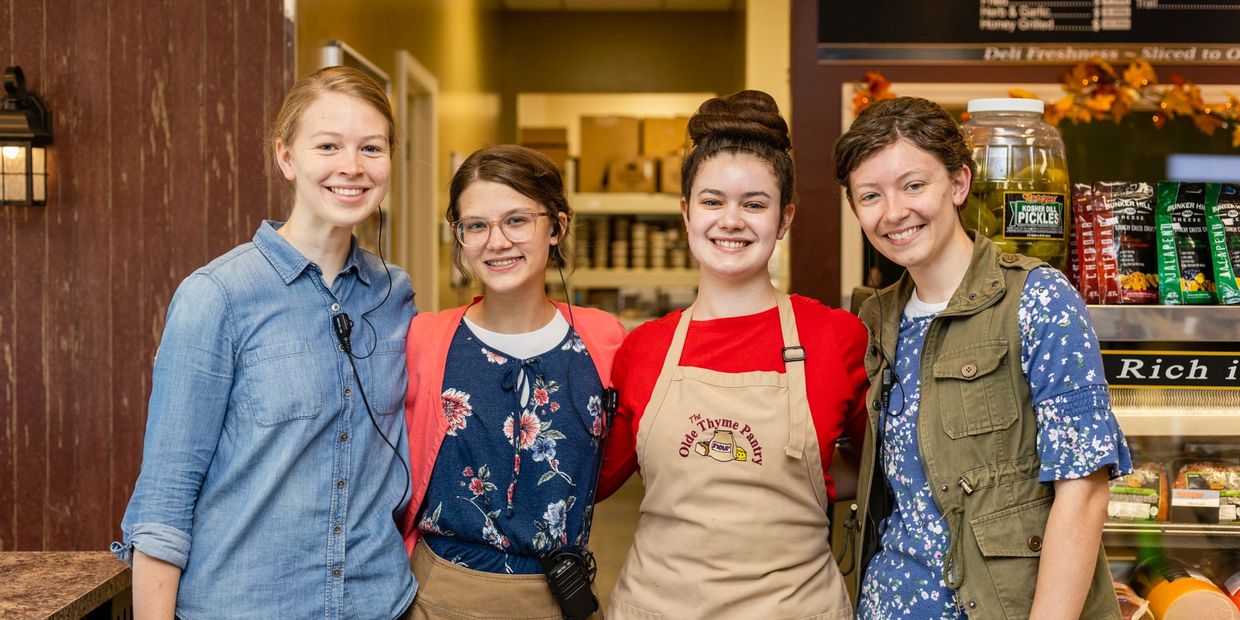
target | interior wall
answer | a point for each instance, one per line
(156, 167)
(614, 52)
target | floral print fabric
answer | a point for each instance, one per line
(1077, 435)
(515, 475)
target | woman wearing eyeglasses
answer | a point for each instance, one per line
(505, 401)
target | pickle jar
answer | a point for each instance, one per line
(1019, 197)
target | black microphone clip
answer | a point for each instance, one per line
(343, 326)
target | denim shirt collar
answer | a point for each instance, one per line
(289, 263)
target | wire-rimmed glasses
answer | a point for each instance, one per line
(473, 232)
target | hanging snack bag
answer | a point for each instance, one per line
(1185, 270)
(1086, 246)
(1223, 222)
(1128, 262)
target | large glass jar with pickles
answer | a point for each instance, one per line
(1019, 197)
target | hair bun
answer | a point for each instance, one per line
(746, 116)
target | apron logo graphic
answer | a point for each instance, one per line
(720, 440)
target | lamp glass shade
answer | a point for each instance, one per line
(14, 160)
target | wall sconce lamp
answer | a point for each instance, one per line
(25, 129)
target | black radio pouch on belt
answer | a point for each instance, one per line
(571, 570)
(569, 574)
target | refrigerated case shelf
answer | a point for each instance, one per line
(1172, 535)
(1132, 323)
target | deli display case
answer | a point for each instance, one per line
(1173, 532)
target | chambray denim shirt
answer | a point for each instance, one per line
(263, 477)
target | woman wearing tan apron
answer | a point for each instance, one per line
(729, 437)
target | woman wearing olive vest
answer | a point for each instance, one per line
(988, 490)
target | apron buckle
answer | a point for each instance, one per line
(794, 353)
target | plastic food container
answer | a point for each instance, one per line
(1019, 197)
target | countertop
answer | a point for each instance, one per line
(58, 584)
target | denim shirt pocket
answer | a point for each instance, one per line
(388, 378)
(975, 393)
(282, 383)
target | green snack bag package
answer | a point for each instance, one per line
(1223, 224)
(1185, 269)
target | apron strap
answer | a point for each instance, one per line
(794, 366)
(671, 362)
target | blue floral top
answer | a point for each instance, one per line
(1077, 435)
(516, 473)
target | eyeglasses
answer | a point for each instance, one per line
(473, 232)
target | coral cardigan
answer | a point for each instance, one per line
(426, 355)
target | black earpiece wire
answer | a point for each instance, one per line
(343, 327)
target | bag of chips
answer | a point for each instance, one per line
(1223, 223)
(1186, 272)
(1086, 247)
(1128, 263)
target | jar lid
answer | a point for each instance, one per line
(1006, 105)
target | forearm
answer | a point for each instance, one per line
(1070, 547)
(155, 584)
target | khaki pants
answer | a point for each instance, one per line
(450, 592)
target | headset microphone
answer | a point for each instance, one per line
(343, 326)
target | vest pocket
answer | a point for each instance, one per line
(973, 397)
(1010, 542)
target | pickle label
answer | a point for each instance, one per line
(1034, 215)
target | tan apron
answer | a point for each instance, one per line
(450, 592)
(734, 522)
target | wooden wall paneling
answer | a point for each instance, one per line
(220, 140)
(280, 73)
(32, 324)
(8, 336)
(188, 169)
(131, 309)
(251, 116)
(80, 301)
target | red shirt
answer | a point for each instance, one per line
(834, 343)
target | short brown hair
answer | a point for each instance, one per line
(343, 80)
(526, 171)
(920, 121)
(748, 122)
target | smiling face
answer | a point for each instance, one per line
(500, 264)
(906, 201)
(339, 163)
(732, 216)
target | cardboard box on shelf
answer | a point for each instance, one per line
(605, 139)
(669, 174)
(550, 141)
(661, 136)
(543, 135)
(635, 174)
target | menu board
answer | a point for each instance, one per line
(1030, 31)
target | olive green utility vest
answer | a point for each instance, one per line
(977, 432)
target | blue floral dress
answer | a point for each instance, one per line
(1077, 435)
(515, 476)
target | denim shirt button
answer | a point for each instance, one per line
(344, 437)
(337, 529)
(335, 572)
(348, 391)
(340, 484)
(335, 307)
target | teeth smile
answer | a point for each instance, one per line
(503, 262)
(347, 191)
(732, 245)
(903, 234)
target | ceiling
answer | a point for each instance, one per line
(623, 5)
